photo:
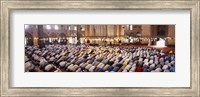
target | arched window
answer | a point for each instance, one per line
(56, 27)
(48, 27)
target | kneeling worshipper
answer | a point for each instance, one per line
(81, 58)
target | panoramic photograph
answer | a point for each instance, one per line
(99, 48)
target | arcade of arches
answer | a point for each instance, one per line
(40, 35)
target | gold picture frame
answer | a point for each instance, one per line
(192, 5)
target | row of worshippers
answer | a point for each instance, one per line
(72, 58)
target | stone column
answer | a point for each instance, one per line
(110, 30)
(35, 35)
(105, 30)
(153, 31)
(91, 30)
(78, 35)
(41, 41)
(115, 30)
(122, 30)
(146, 31)
(87, 30)
(171, 33)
